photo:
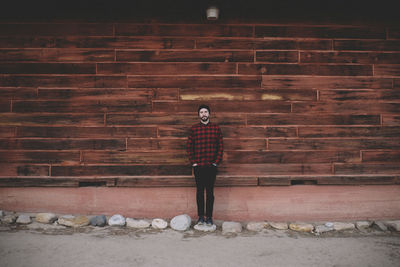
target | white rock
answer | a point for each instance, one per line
(24, 219)
(381, 226)
(329, 224)
(41, 226)
(322, 229)
(231, 227)
(256, 226)
(181, 222)
(361, 225)
(205, 227)
(72, 221)
(342, 226)
(1, 213)
(395, 225)
(279, 225)
(159, 224)
(46, 217)
(133, 223)
(117, 220)
(9, 219)
(301, 227)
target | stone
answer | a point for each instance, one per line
(46, 217)
(1, 213)
(100, 220)
(342, 226)
(117, 220)
(41, 226)
(381, 226)
(181, 222)
(279, 225)
(24, 219)
(9, 219)
(301, 227)
(72, 221)
(205, 227)
(159, 224)
(362, 225)
(393, 225)
(256, 226)
(140, 224)
(319, 229)
(231, 227)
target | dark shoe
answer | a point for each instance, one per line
(200, 221)
(209, 221)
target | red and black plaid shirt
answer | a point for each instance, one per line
(205, 145)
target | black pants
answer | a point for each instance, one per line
(205, 179)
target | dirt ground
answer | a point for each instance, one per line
(47, 245)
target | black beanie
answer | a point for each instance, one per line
(203, 106)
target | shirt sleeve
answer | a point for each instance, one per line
(190, 147)
(220, 147)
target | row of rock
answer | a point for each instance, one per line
(183, 223)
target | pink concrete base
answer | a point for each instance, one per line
(291, 203)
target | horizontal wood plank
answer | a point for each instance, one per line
(64, 157)
(350, 57)
(33, 119)
(360, 95)
(274, 169)
(96, 94)
(367, 168)
(15, 169)
(367, 45)
(17, 93)
(350, 107)
(381, 156)
(167, 181)
(156, 157)
(277, 56)
(323, 132)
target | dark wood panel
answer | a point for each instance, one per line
(26, 42)
(39, 156)
(277, 56)
(156, 157)
(225, 106)
(391, 119)
(173, 131)
(7, 132)
(51, 119)
(166, 94)
(9, 169)
(96, 93)
(57, 55)
(165, 68)
(293, 44)
(367, 45)
(244, 144)
(308, 119)
(246, 94)
(184, 56)
(85, 132)
(62, 144)
(367, 168)
(359, 95)
(38, 182)
(380, 131)
(81, 106)
(17, 93)
(243, 132)
(305, 69)
(274, 169)
(356, 180)
(274, 180)
(381, 156)
(130, 29)
(236, 181)
(292, 156)
(393, 32)
(387, 70)
(350, 57)
(209, 43)
(321, 32)
(176, 181)
(5, 106)
(352, 107)
(333, 144)
(123, 170)
(295, 82)
(56, 29)
(281, 132)
(396, 83)
(193, 81)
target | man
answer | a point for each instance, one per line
(205, 149)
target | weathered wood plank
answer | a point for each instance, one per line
(47, 68)
(62, 144)
(39, 156)
(349, 57)
(292, 156)
(7, 132)
(166, 94)
(123, 170)
(56, 55)
(173, 131)
(274, 180)
(244, 144)
(388, 119)
(225, 106)
(165, 68)
(293, 44)
(17, 93)
(367, 45)
(244, 132)
(296, 82)
(356, 180)
(387, 70)
(381, 156)
(307, 119)
(168, 81)
(305, 69)
(167, 181)
(274, 169)
(360, 95)
(236, 181)
(5, 106)
(12, 169)
(350, 107)
(85, 132)
(380, 131)
(321, 32)
(129, 29)
(156, 157)
(184, 56)
(26, 42)
(37, 182)
(367, 168)
(342, 144)
(96, 93)
(81, 106)
(281, 132)
(277, 56)
(393, 32)
(33, 119)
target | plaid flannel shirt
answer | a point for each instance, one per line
(205, 145)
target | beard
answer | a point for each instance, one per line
(204, 118)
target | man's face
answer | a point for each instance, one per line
(204, 114)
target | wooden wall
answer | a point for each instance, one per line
(110, 103)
